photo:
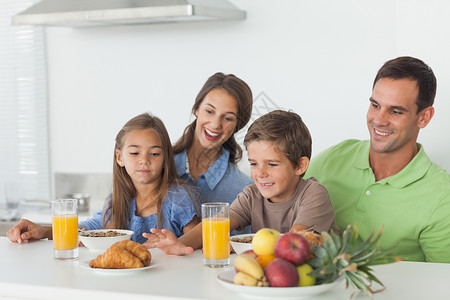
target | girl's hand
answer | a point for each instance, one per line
(166, 241)
(25, 230)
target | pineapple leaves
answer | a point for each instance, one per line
(347, 256)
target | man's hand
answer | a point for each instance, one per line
(166, 241)
(25, 230)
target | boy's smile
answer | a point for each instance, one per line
(272, 171)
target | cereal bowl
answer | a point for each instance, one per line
(102, 239)
(242, 242)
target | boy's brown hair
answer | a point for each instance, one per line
(286, 131)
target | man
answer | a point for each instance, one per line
(389, 180)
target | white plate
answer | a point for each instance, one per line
(226, 279)
(85, 265)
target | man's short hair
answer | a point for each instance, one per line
(406, 67)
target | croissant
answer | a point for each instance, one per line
(123, 255)
(116, 258)
(137, 250)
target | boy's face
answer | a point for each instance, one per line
(272, 171)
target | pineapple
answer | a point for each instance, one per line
(313, 238)
(346, 256)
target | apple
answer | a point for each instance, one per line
(264, 240)
(281, 273)
(292, 247)
(303, 275)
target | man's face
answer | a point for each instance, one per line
(392, 118)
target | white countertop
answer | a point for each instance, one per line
(28, 271)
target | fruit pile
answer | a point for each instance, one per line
(276, 260)
(307, 258)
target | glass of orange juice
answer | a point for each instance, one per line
(216, 234)
(65, 228)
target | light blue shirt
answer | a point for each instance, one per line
(177, 211)
(222, 182)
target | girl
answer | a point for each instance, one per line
(146, 190)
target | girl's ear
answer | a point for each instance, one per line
(302, 166)
(119, 158)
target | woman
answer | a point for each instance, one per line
(207, 153)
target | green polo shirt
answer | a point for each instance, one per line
(413, 205)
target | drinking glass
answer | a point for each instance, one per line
(216, 234)
(65, 228)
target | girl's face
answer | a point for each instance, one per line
(216, 119)
(272, 171)
(142, 156)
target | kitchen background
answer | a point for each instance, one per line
(317, 58)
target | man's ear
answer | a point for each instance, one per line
(425, 116)
(302, 166)
(119, 158)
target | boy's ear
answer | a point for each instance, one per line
(302, 166)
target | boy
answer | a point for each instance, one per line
(279, 150)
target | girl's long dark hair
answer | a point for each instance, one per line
(117, 213)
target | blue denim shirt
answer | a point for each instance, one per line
(177, 211)
(222, 182)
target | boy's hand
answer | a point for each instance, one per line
(166, 241)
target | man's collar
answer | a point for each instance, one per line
(413, 171)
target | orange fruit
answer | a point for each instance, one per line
(265, 259)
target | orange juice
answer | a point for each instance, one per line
(216, 238)
(65, 232)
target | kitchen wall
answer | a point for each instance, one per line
(317, 58)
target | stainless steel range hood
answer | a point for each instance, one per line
(77, 13)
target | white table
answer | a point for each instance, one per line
(28, 271)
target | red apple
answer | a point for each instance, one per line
(293, 247)
(281, 273)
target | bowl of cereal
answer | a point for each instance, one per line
(242, 242)
(102, 239)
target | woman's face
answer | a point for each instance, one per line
(216, 119)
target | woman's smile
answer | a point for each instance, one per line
(211, 136)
